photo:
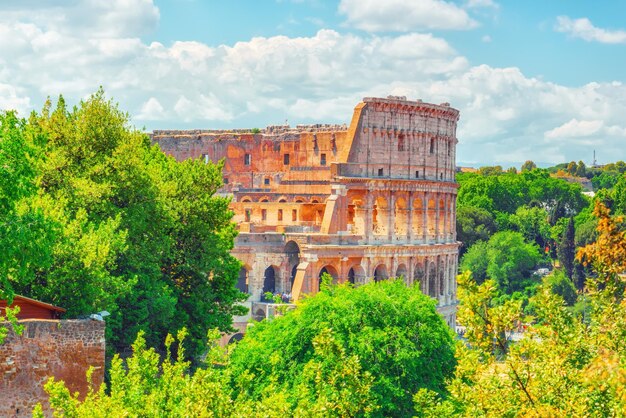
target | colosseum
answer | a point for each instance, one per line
(368, 201)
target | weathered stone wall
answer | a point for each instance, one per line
(64, 349)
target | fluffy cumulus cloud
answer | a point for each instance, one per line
(406, 15)
(506, 116)
(583, 28)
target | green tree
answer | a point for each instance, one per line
(528, 166)
(473, 224)
(506, 258)
(392, 329)
(141, 235)
(532, 223)
(25, 233)
(566, 249)
(581, 169)
(561, 285)
(563, 365)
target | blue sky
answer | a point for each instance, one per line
(540, 80)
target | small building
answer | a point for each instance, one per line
(32, 309)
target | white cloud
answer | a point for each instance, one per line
(506, 116)
(584, 29)
(152, 110)
(91, 18)
(490, 4)
(575, 128)
(486, 38)
(11, 99)
(405, 15)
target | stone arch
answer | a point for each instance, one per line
(432, 278)
(402, 271)
(270, 277)
(380, 216)
(246, 199)
(401, 218)
(441, 274)
(330, 270)
(418, 218)
(419, 275)
(380, 273)
(243, 279)
(237, 337)
(356, 274)
(292, 249)
(315, 201)
(431, 215)
(442, 218)
(259, 315)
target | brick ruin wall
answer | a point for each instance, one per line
(64, 349)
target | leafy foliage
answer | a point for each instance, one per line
(136, 233)
(506, 258)
(393, 330)
(563, 365)
(343, 352)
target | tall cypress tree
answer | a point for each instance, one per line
(566, 249)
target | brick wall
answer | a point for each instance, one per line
(61, 348)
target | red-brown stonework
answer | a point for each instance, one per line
(64, 349)
(366, 201)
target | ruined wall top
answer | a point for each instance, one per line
(270, 131)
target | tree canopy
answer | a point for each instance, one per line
(136, 233)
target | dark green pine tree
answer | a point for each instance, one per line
(566, 249)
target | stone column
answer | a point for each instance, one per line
(437, 217)
(425, 217)
(369, 220)
(409, 232)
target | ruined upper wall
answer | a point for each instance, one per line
(391, 137)
(399, 138)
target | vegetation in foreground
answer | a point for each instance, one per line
(344, 352)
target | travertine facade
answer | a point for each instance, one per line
(366, 202)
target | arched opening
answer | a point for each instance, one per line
(292, 249)
(431, 216)
(246, 200)
(331, 271)
(380, 273)
(269, 282)
(242, 280)
(441, 276)
(235, 338)
(401, 219)
(356, 274)
(442, 219)
(259, 315)
(402, 272)
(418, 276)
(432, 279)
(381, 216)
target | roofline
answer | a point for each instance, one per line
(37, 303)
